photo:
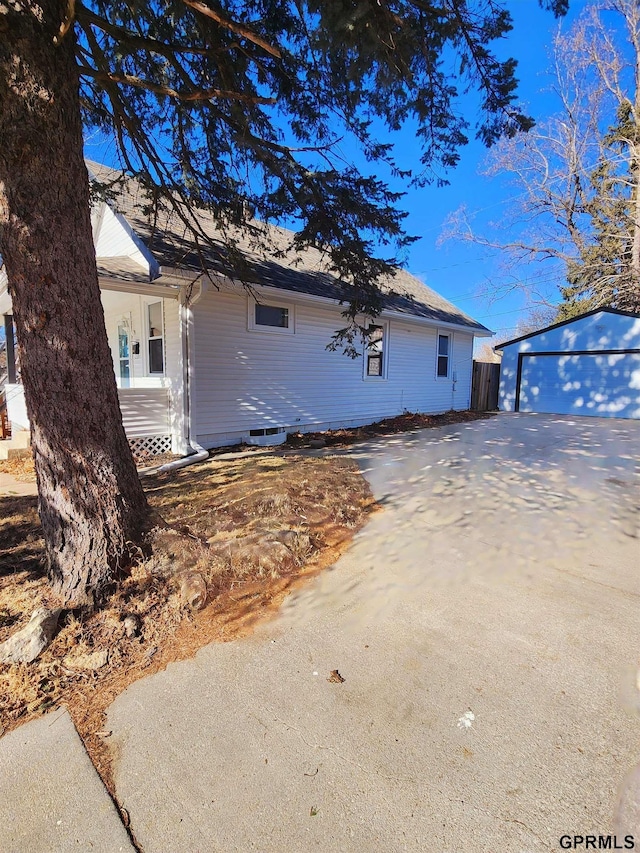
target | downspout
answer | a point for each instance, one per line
(454, 373)
(196, 452)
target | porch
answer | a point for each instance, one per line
(143, 331)
(145, 415)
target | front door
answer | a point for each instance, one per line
(124, 357)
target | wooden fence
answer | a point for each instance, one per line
(484, 386)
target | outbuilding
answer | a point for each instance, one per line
(588, 365)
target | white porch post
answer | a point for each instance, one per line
(11, 353)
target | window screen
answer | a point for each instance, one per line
(375, 350)
(271, 315)
(156, 340)
(443, 355)
(156, 359)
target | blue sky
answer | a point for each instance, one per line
(457, 270)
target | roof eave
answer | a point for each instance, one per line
(143, 288)
(219, 280)
(553, 326)
(476, 331)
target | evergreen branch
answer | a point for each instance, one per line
(233, 26)
(139, 42)
(167, 91)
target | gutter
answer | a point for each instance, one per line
(199, 453)
(268, 292)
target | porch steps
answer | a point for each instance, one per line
(16, 447)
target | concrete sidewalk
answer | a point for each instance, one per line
(51, 798)
(486, 627)
(9, 485)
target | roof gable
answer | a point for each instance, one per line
(568, 322)
(262, 255)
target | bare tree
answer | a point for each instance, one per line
(572, 229)
(486, 353)
(535, 319)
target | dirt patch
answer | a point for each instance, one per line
(251, 528)
(23, 469)
(389, 426)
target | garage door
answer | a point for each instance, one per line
(602, 384)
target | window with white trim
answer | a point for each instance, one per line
(375, 354)
(156, 337)
(444, 356)
(271, 317)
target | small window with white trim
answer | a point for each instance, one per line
(271, 317)
(375, 361)
(156, 337)
(444, 355)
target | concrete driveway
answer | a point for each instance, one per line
(486, 626)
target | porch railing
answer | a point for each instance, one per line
(145, 411)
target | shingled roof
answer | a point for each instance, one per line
(272, 263)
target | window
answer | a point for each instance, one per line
(270, 318)
(156, 339)
(375, 351)
(444, 351)
(270, 315)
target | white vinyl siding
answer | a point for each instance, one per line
(113, 237)
(145, 411)
(247, 381)
(16, 407)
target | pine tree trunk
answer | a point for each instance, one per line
(91, 503)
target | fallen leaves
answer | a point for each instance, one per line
(260, 526)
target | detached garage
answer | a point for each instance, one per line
(589, 365)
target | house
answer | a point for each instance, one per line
(589, 365)
(199, 358)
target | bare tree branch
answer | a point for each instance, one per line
(577, 174)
